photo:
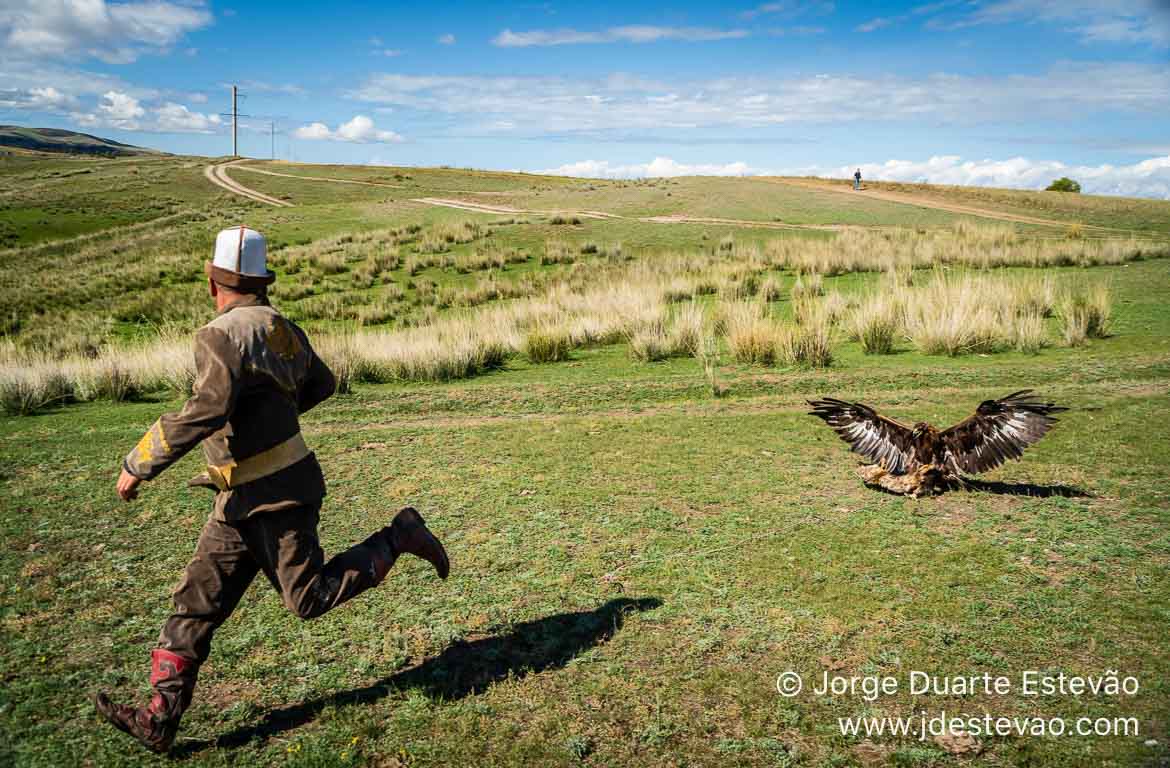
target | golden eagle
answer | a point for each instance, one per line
(923, 460)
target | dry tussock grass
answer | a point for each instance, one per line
(751, 335)
(964, 314)
(648, 303)
(968, 245)
(755, 338)
(31, 380)
(557, 252)
(959, 314)
(1085, 312)
(808, 344)
(876, 323)
(678, 334)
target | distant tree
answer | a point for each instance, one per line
(1064, 184)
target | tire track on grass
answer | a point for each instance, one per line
(217, 175)
(961, 209)
(254, 169)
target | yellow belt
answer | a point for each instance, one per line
(261, 465)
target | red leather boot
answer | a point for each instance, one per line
(173, 678)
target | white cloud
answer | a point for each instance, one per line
(1148, 178)
(120, 110)
(628, 34)
(762, 9)
(1095, 21)
(447, 39)
(378, 48)
(359, 130)
(259, 86)
(789, 8)
(874, 24)
(47, 99)
(112, 32)
(797, 30)
(313, 132)
(21, 73)
(124, 112)
(176, 118)
(624, 102)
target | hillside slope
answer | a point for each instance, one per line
(69, 142)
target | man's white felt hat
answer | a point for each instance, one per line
(241, 259)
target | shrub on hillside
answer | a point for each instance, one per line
(1063, 184)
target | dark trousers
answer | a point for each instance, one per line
(284, 546)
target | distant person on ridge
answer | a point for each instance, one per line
(255, 373)
(857, 179)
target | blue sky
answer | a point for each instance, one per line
(1004, 92)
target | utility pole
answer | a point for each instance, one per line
(235, 144)
(272, 133)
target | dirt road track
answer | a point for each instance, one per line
(468, 205)
(217, 175)
(254, 169)
(909, 199)
(674, 218)
(678, 218)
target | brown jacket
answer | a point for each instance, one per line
(255, 372)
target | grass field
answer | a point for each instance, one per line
(634, 560)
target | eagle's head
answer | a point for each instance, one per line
(921, 429)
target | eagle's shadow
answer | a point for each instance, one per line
(1002, 489)
(1025, 489)
(463, 669)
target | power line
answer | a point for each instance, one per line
(235, 115)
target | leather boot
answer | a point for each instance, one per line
(173, 678)
(409, 533)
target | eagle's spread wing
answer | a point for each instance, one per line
(881, 440)
(998, 430)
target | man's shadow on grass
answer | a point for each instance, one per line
(465, 668)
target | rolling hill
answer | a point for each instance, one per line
(68, 142)
(595, 392)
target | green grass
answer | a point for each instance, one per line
(559, 488)
(41, 202)
(633, 562)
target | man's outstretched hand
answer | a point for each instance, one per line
(128, 486)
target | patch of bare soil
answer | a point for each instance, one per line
(679, 218)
